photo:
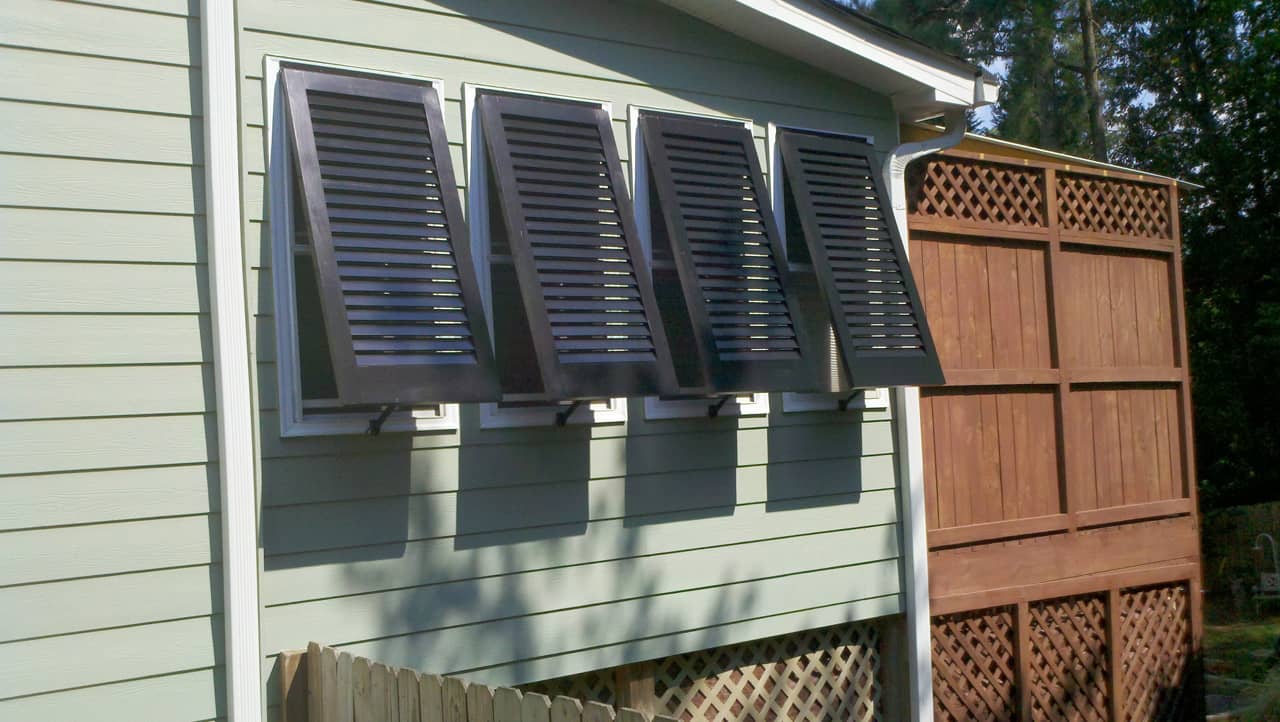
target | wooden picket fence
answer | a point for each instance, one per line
(325, 685)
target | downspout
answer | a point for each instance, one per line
(236, 478)
(906, 411)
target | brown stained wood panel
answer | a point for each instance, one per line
(986, 302)
(983, 570)
(989, 456)
(1120, 311)
(1125, 444)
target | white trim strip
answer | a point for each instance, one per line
(236, 475)
(906, 415)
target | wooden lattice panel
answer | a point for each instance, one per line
(1156, 632)
(1069, 660)
(1120, 208)
(977, 192)
(596, 686)
(974, 667)
(817, 675)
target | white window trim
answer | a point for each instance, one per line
(657, 408)
(492, 415)
(794, 402)
(294, 419)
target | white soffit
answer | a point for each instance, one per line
(921, 81)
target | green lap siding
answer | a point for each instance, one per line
(110, 583)
(519, 554)
(507, 555)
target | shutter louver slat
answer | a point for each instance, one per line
(585, 287)
(398, 290)
(716, 217)
(860, 261)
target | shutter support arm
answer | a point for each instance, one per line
(375, 424)
(713, 410)
(562, 416)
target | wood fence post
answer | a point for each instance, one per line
(635, 689)
(292, 668)
(506, 705)
(1022, 628)
(535, 708)
(1115, 652)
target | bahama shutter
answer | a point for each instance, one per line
(398, 290)
(588, 303)
(859, 260)
(712, 217)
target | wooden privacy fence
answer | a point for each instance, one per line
(1058, 471)
(325, 685)
(831, 674)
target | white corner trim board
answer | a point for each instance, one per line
(906, 414)
(236, 475)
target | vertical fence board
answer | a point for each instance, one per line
(566, 709)
(479, 703)
(431, 698)
(293, 686)
(342, 711)
(506, 705)
(535, 708)
(596, 712)
(361, 699)
(407, 695)
(455, 700)
(315, 690)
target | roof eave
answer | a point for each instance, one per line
(920, 80)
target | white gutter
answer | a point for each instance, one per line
(231, 362)
(906, 412)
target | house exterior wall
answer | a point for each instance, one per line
(520, 554)
(109, 577)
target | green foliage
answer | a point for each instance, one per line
(1192, 90)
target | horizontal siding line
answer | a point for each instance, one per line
(85, 470)
(575, 524)
(129, 364)
(161, 675)
(515, 66)
(101, 159)
(543, 612)
(94, 417)
(640, 476)
(101, 56)
(215, 563)
(100, 522)
(684, 631)
(58, 472)
(148, 623)
(144, 11)
(498, 24)
(95, 262)
(102, 313)
(81, 106)
(24, 207)
(610, 560)
(92, 159)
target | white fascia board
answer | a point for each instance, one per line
(919, 80)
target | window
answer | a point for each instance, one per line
(834, 194)
(536, 357)
(311, 402)
(657, 407)
(717, 252)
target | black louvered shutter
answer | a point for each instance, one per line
(859, 260)
(713, 214)
(397, 284)
(570, 230)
